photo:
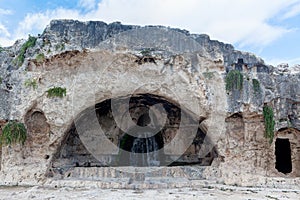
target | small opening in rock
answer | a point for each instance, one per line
(144, 120)
(283, 155)
(47, 157)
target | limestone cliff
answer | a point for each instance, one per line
(221, 91)
(66, 35)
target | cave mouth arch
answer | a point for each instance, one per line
(73, 153)
(283, 155)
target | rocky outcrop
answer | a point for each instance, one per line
(69, 35)
(97, 62)
(91, 34)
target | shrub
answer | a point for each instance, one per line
(1, 49)
(13, 133)
(57, 92)
(234, 80)
(28, 44)
(269, 122)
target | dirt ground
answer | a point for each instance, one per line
(207, 193)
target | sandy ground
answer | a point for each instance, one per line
(208, 193)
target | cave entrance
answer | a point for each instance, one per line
(151, 147)
(283, 155)
(140, 148)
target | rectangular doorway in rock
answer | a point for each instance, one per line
(283, 155)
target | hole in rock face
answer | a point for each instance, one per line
(37, 127)
(144, 120)
(283, 155)
(141, 143)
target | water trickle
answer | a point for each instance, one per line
(144, 151)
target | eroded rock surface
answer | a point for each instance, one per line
(97, 62)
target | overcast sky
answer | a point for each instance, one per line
(268, 28)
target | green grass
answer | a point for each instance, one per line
(234, 80)
(40, 58)
(57, 92)
(28, 44)
(13, 133)
(31, 83)
(269, 122)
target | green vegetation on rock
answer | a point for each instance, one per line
(57, 92)
(208, 75)
(234, 80)
(28, 44)
(13, 132)
(31, 83)
(256, 86)
(60, 47)
(40, 58)
(146, 52)
(269, 122)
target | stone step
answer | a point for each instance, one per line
(127, 183)
(136, 173)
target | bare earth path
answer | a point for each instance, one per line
(208, 193)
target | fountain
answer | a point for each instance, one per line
(144, 151)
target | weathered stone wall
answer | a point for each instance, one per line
(96, 62)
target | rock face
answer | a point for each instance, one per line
(201, 99)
